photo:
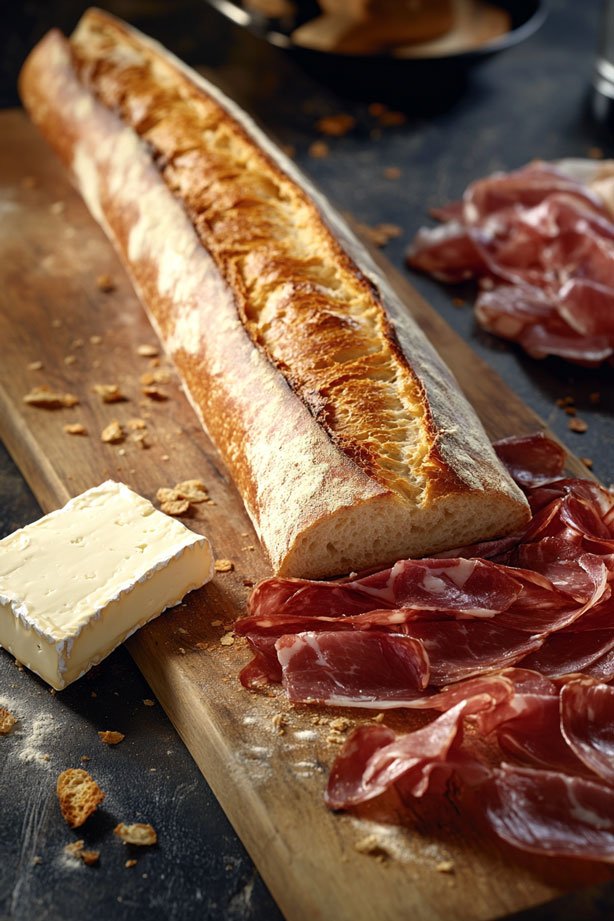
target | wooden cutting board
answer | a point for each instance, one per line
(268, 778)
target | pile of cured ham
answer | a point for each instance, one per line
(510, 641)
(542, 244)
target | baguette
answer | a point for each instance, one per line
(345, 434)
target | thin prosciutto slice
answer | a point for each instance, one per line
(543, 244)
(551, 813)
(587, 724)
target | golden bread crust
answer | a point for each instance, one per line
(337, 420)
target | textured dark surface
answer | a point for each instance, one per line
(526, 103)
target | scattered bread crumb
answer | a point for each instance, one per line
(318, 150)
(380, 234)
(77, 343)
(227, 640)
(392, 172)
(279, 723)
(7, 721)
(577, 425)
(109, 393)
(85, 758)
(149, 702)
(157, 376)
(340, 724)
(70, 359)
(56, 323)
(565, 401)
(140, 438)
(224, 566)
(95, 340)
(175, 506)
(79, 796)
(110, 737)
(335, 738)
(336, 125)
(140, 834)
(35, 366)
(29, 182)
(148, 351)
(137, 424)
(445, 866)
(587, 461)
(37, 860)
(153, 392)
(75, 428)
(392, 119)
(192, 490)
(105, 284)
(376, 109)
(113, 433)
(379, 718)
(130, 863)
(77, 851)
(57, 207)
(44, 398)
(458, 302)
(216, 623)
(371, 846)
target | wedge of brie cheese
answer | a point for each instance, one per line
(76, 583)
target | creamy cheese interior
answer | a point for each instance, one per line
(76, 583)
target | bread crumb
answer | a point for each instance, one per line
(380, 234)
(140, 438)
(570, 410)
(154, 393)
(37, 860)
(90, 858)
(577, 425)
(57, 207)
(7, 721)
(85, 758)
(149, 702)
(318, 150)
(458, 302)
(77, 343)
(44, 398)
(165, 457)
(95, 340)
(105, 284)
(227, 640)
(110, 737)
(175, 506)
(70, 359)
(29, 182)
(378, 719)
(392, 119)
(113, 433)
(109, 393)
(158, 376)
(279, 723)
(336, 126)
(130, 863)
(392, 172)
(79, 796)
(335, 738)
(224, 566)
(35, 366)
(371, 846)
(445, 866)
(340, 724)
(75, 428)
(56, 323)
(565, 401)
(148, 351)
(216, 623)
(588, 462)
(140, 834)
(192, 490)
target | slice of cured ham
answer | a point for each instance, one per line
(545, 243)
(515, 651)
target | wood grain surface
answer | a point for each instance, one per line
(269, 780)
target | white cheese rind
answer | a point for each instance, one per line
(76, 583)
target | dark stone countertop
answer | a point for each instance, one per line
(529, 102)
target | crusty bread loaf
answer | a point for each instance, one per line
(345, 434)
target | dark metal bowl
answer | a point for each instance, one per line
(386, 77)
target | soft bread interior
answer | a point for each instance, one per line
(380, 532)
